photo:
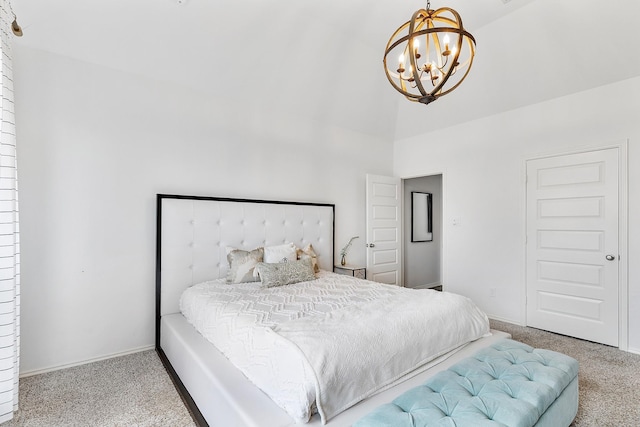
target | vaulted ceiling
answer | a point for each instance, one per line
(323, 58)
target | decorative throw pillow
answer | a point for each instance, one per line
(309, 253)
(285, 273)
(242, 263)
(280, 253)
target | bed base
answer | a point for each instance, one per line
(220, 395)
(195, 413)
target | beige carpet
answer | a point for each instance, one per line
(132, 390)
(135, 390)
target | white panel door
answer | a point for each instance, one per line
(572, 245)
(384, 225)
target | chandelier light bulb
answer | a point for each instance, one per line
(401, 64)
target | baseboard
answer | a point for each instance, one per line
(83, 362)
(427, 286)
(500, 319)
(633, 350)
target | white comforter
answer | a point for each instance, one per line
(330, 342)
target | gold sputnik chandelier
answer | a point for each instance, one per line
(430, 55)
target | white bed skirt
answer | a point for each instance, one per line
(225, 397)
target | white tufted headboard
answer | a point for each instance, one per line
(193, 233)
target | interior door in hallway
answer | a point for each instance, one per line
(384, 225)
(572, 245)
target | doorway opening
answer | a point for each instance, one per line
(422, 258)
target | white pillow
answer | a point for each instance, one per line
(280, 253)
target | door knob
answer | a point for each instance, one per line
(610, 257)
(371, 245)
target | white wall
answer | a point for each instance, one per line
(96, 145)
(483, 166)
(422, 259)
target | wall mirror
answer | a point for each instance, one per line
(421, 222)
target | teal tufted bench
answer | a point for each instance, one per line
(506, 384)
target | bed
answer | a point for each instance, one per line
(194, 236)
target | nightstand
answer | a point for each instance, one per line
(348, 270)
